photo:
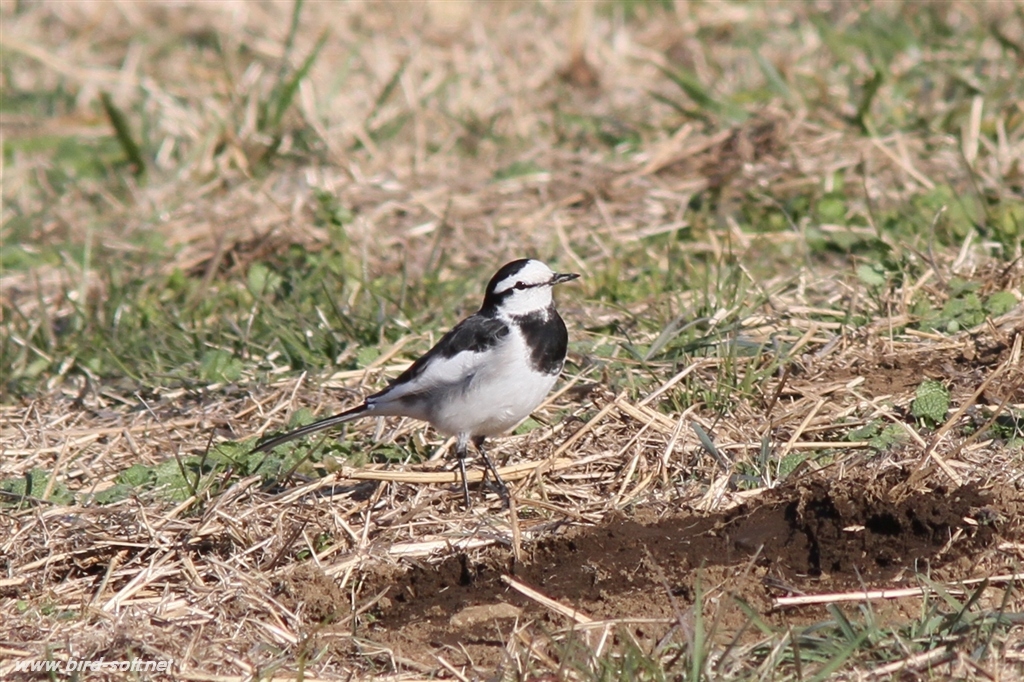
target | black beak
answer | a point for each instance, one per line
(563, 277)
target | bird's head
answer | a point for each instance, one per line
(523, 287)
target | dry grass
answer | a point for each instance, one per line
(458, 137)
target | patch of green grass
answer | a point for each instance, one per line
(639, 9)
(18, 251)
(53, 611)
(31, 488)
(699, 100)
(865, 640)
(677, 657)
(587, 131)
(59, 100)
(207, 475)
(851, 638)
(517, 169)
(73, 159)
(180, 329)
(271, 110)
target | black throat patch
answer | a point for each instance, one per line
(547, 339)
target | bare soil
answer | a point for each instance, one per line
(818, 534)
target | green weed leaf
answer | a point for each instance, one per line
(136, 476)
(114, 493)
(262, 280)
(871, 274)
(1000, 303)
(790, 462)
(220, 366)
(889, 437)
(931, 401)
(366, 355)
(963, 312)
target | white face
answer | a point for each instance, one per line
(522, 287)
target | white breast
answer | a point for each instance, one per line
(499, 394)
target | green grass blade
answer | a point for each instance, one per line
(286, 94)
(123, 133)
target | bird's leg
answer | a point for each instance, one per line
(502, 488)
(460, 451)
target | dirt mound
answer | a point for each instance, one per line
(815, 532)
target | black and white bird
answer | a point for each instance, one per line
(485, 375)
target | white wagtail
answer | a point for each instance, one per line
(485, 375)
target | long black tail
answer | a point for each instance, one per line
(274, 441)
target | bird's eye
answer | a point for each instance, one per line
(521, 285)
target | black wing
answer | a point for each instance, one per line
(476, 333)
